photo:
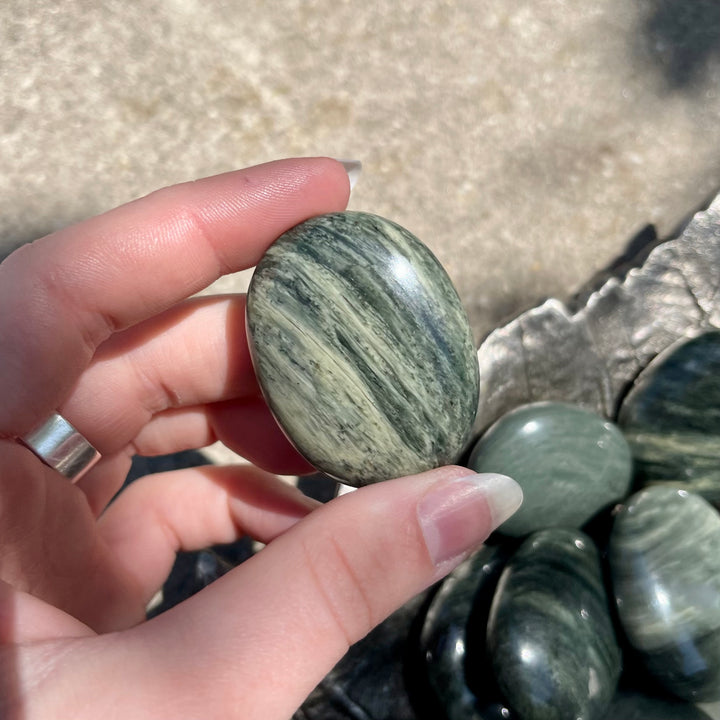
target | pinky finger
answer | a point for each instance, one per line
(245, 426)
(159, 515)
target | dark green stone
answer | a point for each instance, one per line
(453, 641)
(550, 634)
(671, 418)
(362, 348)
(632, 705)
(664, 557)
(569, 462)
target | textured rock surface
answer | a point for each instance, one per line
(570, 463)
(589, 357)
(665, 561)
(362, 348)
(671, 418)
(550, 635)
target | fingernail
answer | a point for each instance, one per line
(353, 168)
(345, 489)
(457, 516)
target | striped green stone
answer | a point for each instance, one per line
(664, 558)
(671, 418)
(452, 641)
(550, 634)
(362, 348)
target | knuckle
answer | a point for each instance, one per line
(343, 588)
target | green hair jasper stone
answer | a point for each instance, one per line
(362, 348)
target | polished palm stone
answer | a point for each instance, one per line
(550, 634)
(671, 418)
(452, 641)
(569, 462)
(664, 556)
(362, 348)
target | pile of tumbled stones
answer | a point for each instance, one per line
(607, 580)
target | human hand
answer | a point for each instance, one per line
(96, 324)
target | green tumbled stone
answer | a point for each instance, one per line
(550, 634)
(453, 641)
(664, 557)
(362, 348)
(671, 418)
(569, 462)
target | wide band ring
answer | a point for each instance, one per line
(59, 445)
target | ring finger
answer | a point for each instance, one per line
(179, 380)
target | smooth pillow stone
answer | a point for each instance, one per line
(664, 556)
(452, 641)
(570, 463)
(550, 635)
(671, 418)
(362, 348)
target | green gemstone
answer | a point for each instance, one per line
(664, 558)
(569, 462)
(550, 635)
(452, 641)
(671, 418)
(362, 348)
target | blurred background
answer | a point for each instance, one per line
(525, 141)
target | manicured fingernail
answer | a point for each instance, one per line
(353, 168)
(456, 516)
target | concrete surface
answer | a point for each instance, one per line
(524, 141)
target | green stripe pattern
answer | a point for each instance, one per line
(550, 633)
(665, 561)
(362, 348)
(671, 418)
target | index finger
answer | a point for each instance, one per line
(65, 294)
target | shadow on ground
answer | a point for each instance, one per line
(681, 38)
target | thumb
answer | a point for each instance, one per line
(258, 640)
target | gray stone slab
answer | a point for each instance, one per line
(589, 357)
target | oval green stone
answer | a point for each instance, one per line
(362, 348)
(671, 418)
(664, 559)
(570, 463)
(550, 634)
(452, 641)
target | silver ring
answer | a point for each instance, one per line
(58, 444)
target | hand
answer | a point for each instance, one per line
(96, 324)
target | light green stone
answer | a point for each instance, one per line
(569, 462)
(362, 348)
